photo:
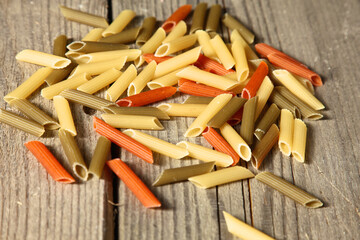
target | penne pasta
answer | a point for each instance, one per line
(198, 18)
(21, 123)
(157, 145)
(42, 59)
(289, 190)
(73, 55)
(59, 48)
(236, 37)
(202, 90)
(206, 154)
(148, 57)
(126, 36)
(174, 175)
(248, 120)
(199, 124)
(263, 147)
(58, 75)
(198, 100)
(83, 17)
(299, 140)
(147, 29)
(90, 47)
(180, 14)
(255, 82)
(140, 81)
(63, 111)
(182, 110)
(101, 81)
(119, 23)
(142, 111)
(263, 95)
(220, 177)
(233, 24)
(132, 121)
(226, 112)
(213, 19)
(284, 103)
(213, 66)
(286, 132)
(94, 35)
(236, 142)
(101, 154)
(222, 52)
(255, 64)
(131, 55)
(206, 47)
(169, 79)
(176, 45)
(307, 83)
(178, 31)
(241, 64)
(269, 118)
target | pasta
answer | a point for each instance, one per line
(151, 45)
(263, 95)
(64, 114)
(256, 79)
(286, 131)
(148, 57)
(73, 55)
(284, 103)
(84, 18)
(142, 111)
(59, 48)
(34, 113)
(236, 142)
(198, 18)
(126, 36)
(226, 112)
(256, 62)
(174, 175)
(232, 23)
(222, 52)
(90, 47)
(132, 121)
(73, 154)
(220, 177)
(307, 83)
(213, 19)
(147, 30)
(140, 81)
(131, 55)
(182, 110)
(94, 35)
(101, 81)
(206, 47)
(169, 79)
(202, 90)
(198, 100)
(178, 31)
(157, 145)
(213, 66)
(198, 126)
(299, 140)
(101, 154)
(269, 118)
(58, 75)
(248, 120)
(241, 65)
(42, 59)
(289, 190)
(21, 123)
(119, 23)
(236, 37)
(206, 154)
(176, 45)
(180, 14)
(263, 147)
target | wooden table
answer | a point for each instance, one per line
(322, 34)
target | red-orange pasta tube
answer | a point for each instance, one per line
(204, 62)
(148, 57)
(256, 79)
(180, 14)
(202, 90)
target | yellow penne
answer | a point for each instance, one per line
(182, 110)
(94, 35)
(286, 131)
(206, 47)
(206, 154)
(157, 145)
(132, 121)
(299, 140)
(139, 83)
(176, 45)
(169, 79)
(42, 59)
(63, 110)
(241, 65)
(263, 95)
(119, 23)
(73, 55)
(222, 52)
(232, 23)
(131, 55)
(250, 54)
(178, 31)
(236, 142)
(99, 82)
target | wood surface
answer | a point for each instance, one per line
(322, 34)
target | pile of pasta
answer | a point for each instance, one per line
(227, 84)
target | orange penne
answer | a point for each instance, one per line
(202, 90)
(180, 14)
(220, 144)
(148, 57)
(236, 118)
(284, 62)
(256, 79)
(147, 97)
(49, 162)
(134, 183)
(204, 62)
(183, 80)
(123, 140)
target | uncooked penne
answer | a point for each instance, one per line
(58, 75)
(236, 142)
(147, 29)
(59, 48)
(151, 45)
(220, 177)
(176, 45)
(250, 54)
(177, 32)
(94, 35)
(286, 131)
(263, 94)
(100, 156)
(222, 52)
(132, 121)
(241, 64)
(198, 18)
(269, 118)
(283, 103)
(157, 145)
(213, 19)
(206, 154)
(126, 36)
(119, 23)
(182, 110)
(91, 47)
(42, 59)
(299, 140)
(140, 81)
(100, 82)
(232, 23)
(248, 120)
(142, 111)
(63, 110)
(83, 17)
(131, 55)
(206, 47)
(169, 79)
(198, 100)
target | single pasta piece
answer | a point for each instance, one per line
(42, 59)
(176, 45)
(206, 154)
(73, 154)
(34, 113)
(220, 177)
(151, 45)
(126, 36)
(269, 118)
(178, 31)
(204, 62)
(169, 79)
(174, 175)
(30, 85)
(101, 81)
(58, 75)
(298, 89)
(73, 55)
(248, 120)
(131, 55)
(263, 147)
(70, 83)
(227, 112)
(198, 100)
(121, 84)
(182, 110)
(157, 145)
(307, 83)
(21, 123)
(123, 140)
(101, 154)
(140, 81)
(222, 52)
(236, 142)
(283, 103)
(299, 140)
(241, 65)
(256, 79)
(180, 14)
(134, 183)
(236, 36)
(220, 144)
(289, 190)
(206, 47)
(142, 111)
(83, 17)
(119, 23)
(213, 19)
(90, 47)
(242, 230)
(59, 48)
(198, 18)
(147, 29)
(202, 90)
(49, 162)
(147, 97)
(200, 123)
(132, 121)
(148, 57)
(286, 131)
(233, 24)
(63, 111)
(94, 35)
(210, 79)
(177, 62)
(263, 95)
(184, 80)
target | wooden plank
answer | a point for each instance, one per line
(32, 205)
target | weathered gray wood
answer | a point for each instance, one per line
(32, 205)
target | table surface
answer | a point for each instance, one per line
(322, 34)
